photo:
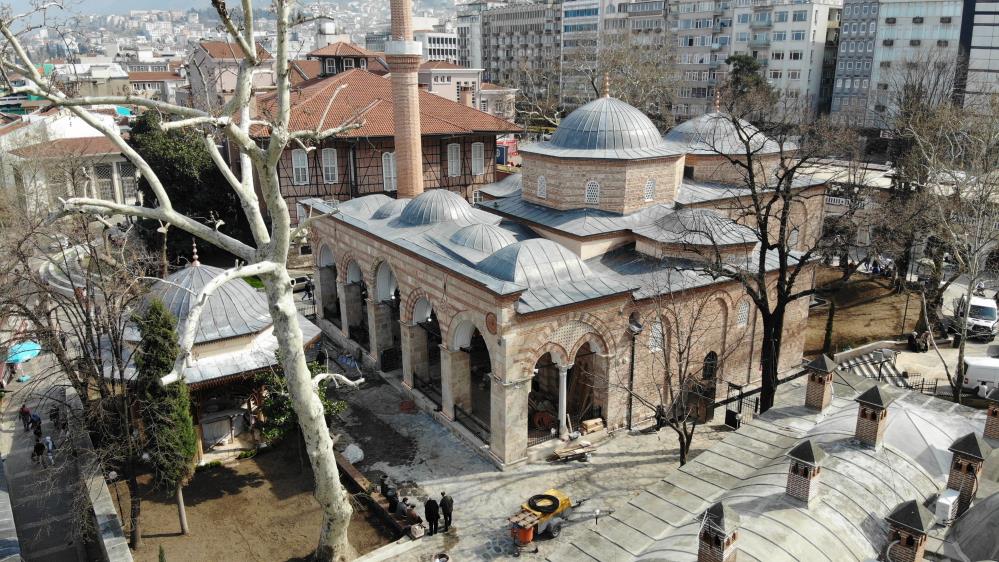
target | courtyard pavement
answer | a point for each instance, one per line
(424, 458)
(42, 499)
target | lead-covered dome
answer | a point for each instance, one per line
(716, 133)
(537, 262)
(485, 238)
(234, 309)
(605, 128)
(434, 206)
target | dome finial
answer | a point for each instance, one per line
(194, 253)
(606, 84)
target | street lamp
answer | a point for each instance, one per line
(634, 328)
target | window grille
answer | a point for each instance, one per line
(126, 173)
(742, 318)
(650, 190)
(656, 337)
(592, 192)
(542, 188)
(104, 178)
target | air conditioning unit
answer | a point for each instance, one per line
(946, 506)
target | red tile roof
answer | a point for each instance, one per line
(154, 76)
(368, 98)
(342, 49)
(302, 70)
(61, 148)
(230, 50)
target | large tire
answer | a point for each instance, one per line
(543, 503)
(555, 529)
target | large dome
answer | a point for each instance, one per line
(715, 133)
(605, 128)
(434, 206)
(234, 309)
(537, 262)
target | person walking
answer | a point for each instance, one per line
(49, 449)
(38, 454)
(447, 507)
(25, 413)
(432, 512)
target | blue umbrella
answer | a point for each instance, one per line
(19, 353)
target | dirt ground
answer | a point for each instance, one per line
(256, 509)
(866, 310)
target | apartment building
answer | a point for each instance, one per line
(855, 62)
(703, 31)
(469, 31)
(438, 45)
(980, 40)
(910, 35)
(516, 35)
(580, 42)
(795, 43)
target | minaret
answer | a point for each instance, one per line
(403, 56)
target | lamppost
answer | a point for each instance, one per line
(634, 328)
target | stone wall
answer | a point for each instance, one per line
(871, 424)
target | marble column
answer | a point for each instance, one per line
(563, 396)
(414, 353)
(447, 398)
(379, 328)
(508, 420)
(460, 379)
(350, 306)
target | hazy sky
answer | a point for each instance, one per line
(118, 6)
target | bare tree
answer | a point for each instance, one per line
(774, 150)
(956, 149)
(267, 256)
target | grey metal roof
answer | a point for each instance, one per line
(808, 453)
(486, 238)
(697, 191)
(390, 209)
(874, 396)
(747, 470)
(698, 227)
(535, 263)
(234, 309)
(364, 206)
(605, 128)
(823, 364)
(576, 222)
(982, 520)
(506, 187)
(913, 515)
(715, 133)
(434, 206)
(971, 445)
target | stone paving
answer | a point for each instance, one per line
(42, 498)
(425, 458)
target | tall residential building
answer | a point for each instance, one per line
(703, 31)
(521, 34)
(911, 34)
(794, 41)
(857, 42)
(980, 40)
(580, 42)
(469, 31)
(438, 45)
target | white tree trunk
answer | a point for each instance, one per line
(182, 511)
(332, 498)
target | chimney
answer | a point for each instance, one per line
(403, 57)
(818, 393)
(719, 531)
(908, 525)
(466, 96)
(803, 474)
(992, 415)
(970, 453)
(872, 416)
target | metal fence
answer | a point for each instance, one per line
(427, 388)
(539, 436)
(472, 424)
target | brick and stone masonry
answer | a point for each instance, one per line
(818, 392)
(970, 453)
(872, 416)
(719, 534)
(804, 470)
(403, 56)
(910, 547)
(992, 416)
(908, 525)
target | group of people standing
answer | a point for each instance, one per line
(433, 509)
(44, 447)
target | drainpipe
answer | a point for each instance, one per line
(634, 328)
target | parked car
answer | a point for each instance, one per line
(983, 318)
(298, 283)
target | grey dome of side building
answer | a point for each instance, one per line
(537, 262)
(605, 128)
(486, 238)
(234, 309)
(434, 206)
(715, 133)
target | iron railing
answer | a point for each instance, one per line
(472, 423)
(427, 388)
(539, 436)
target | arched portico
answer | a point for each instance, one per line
(421, 350)
(467, 372)
(329, 292)
(386, 337)
(355, 306)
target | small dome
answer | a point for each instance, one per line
(364, 207)
(536, 263)
(699, 227)
(714, 133)
(234, 309)
(434, 206)
(485, 238)
(393, 207)
(605, 128)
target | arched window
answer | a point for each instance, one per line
(542, 188)
(742, 316)
(650, 190)
(299, 167)
(592, 192)
(388, 171)
(710, 369)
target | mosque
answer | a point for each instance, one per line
(540, 307)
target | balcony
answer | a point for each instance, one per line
(716, 46)
(765, 24)
(715, 64)
(759, 43)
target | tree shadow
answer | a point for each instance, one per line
(210, 484)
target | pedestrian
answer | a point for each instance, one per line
(393, 499)
(54, 416)
(383, 486)
(49, 448)
(310, 288)
(400, 509)
(447, 507)
(62, 340)
(412, 517)
(25, 414)
(38, 453)
(432, 512)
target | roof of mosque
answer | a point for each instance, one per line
(538, 262)
(605, 128)
(698, 227)
(717, 133)
(747, 470)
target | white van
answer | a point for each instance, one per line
(983, 318)
(980, 369)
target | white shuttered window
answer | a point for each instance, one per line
(454, 160)
(388, 171)
(299, 167)
(329, 165)
(478, 159)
